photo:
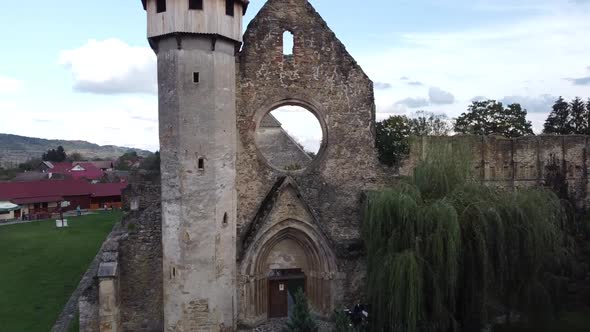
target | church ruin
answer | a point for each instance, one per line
(226, 235)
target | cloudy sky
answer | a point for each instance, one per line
(83, 69)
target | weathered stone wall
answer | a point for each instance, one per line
(323, 78)
(521, 162)
(135, 246)
(140, 261)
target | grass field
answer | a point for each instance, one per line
(40, 267)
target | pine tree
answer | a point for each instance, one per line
(301, 320)
(588, 117)
(579, 116)
(559, 122)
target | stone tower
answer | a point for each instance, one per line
(196, 42)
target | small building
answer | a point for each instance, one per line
(76, 170)
(107, 195)
(9, 211)
(40, 199)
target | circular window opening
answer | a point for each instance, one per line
(289, 138)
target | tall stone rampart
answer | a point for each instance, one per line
(519, 162)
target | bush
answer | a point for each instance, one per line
(301, 320)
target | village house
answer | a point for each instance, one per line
(40, 199)
(89, 170)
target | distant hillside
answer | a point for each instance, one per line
(17, 149)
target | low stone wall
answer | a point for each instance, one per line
(134, 249)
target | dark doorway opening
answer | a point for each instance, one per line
(282, 286)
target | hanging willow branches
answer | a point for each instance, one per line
(442, 249)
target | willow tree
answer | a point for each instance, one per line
(443, 249)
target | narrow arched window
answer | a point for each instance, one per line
(288, 43)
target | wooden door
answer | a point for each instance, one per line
(278, 304)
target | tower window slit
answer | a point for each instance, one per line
(196, 77)
(229, 7)
(160, 6)
(195, 4)
(201, 164)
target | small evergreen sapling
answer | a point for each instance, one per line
(301, 320)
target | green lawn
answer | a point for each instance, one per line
(40, 267)
(578, 321)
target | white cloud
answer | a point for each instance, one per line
(10, 85)
(527, 57)
(438, 96)
(414, 102)
(381, 85)
(111, 67)
(538, 104)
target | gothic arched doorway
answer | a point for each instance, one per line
(289, 255)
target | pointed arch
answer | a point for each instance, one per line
(304, 235)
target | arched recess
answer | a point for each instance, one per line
(320, 269)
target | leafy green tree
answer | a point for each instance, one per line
(442, 248)
(578, 116)
(429, 124)
(301, 319)
(559, 120)
(151, 163)
(55, 155)
(125, 162)
(76, 156)
(30, 165)
(491, 118)
(393, 139)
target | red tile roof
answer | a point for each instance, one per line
(44, 188)
(107, 189)
(90, 172)
(32, 200)
(55, 190)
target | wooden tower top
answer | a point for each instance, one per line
(220, 18)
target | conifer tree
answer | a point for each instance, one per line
(559, 120)
(579, 116)
(588, 117)
(301, 320)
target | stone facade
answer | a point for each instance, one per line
(314, 211)
(524, 162)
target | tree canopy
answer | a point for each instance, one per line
(568, 118)
(442, 249)
(492, 118)
(393, 134)
(55, 155)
